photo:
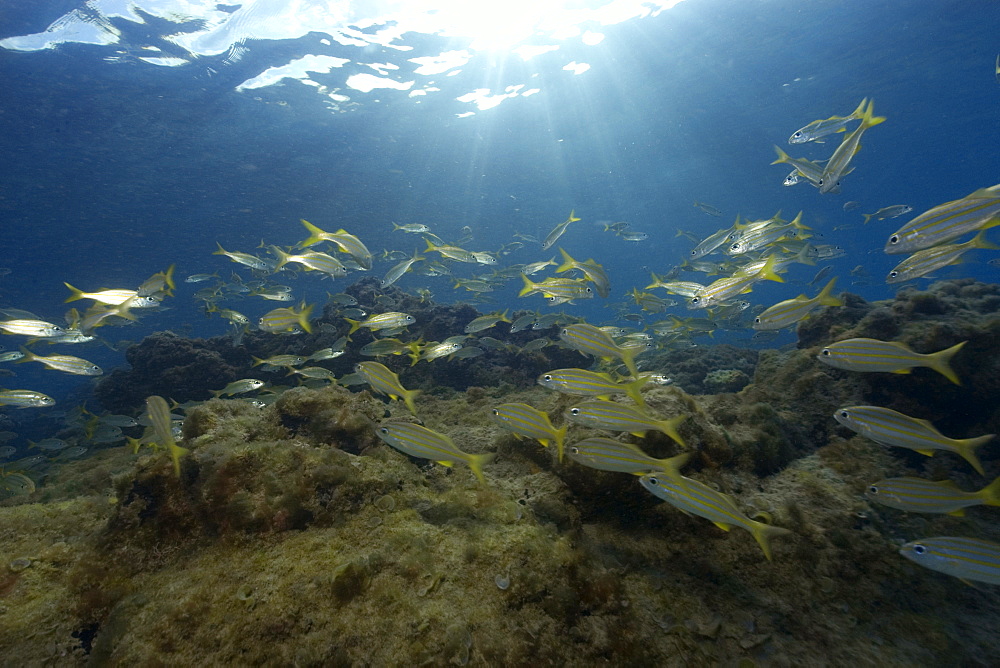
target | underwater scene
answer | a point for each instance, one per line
(435, 332)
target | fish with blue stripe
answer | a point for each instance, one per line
(976, 211)
(615, 416)
(873, 355)
(968, 559)
(928, 496)
(423, 443)
(889, 427)
(607, 454)
(525, 420)
(381, 379)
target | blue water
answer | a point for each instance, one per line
(115, 170)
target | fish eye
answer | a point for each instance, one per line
(873, 489)
(574, 411)
(383, 430)
(695, 300)
(825, 352)
(894, 239)
(919, 549)
(757, 320)
(844, 414)
(654, 481)
(893, 274)
(547, 377)
(496, 412)
(574, 451)
(589, 291)
(797, 134)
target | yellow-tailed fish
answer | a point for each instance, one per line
(559, 288)
(582, 382)
(699, 499)
(525, 420)
(811, 171)
(345, 241)
(976, 211)
(791, 311)
(159, 417)
(714, 240)
(388, 320)
(607, 454)
(397, 271)
(590, 340)
(888, 212)
(381, 347)
(412, 228)
(964, 558)
(536, 267)
(558, 231)
(816, 130)
(25, 399)
(926, 496)
(279, 360)
(925, 261)
(615, 416)
(739, 283)
(312, 261)
(888, 427)
(112, 297)
(381, 379)
(434, 351)
(160, 282)
(239, 387)
(887, 357)
(681, 288)
(594, 272)
(36, 328)
(64, 363)
(425, 443)
(837, 166)
(760, 236)
(245, 259)
(286, 319)
(484, 322)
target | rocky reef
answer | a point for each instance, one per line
(294, 536)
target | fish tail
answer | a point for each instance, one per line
(940, 360)
(868, 120)
(860, 111)
(559, 435)
(77, 294)
(669, 427)
(990, 494)
(763, 533)
(628, 358)
(782, 156)
(168, 277)
(355, 325)
(315, 234)
(476, 463)
(633, 388)
(408, 397)
(826, 298)
(966, 448)
(568, 262)
(28, 355)
(528, 288)
(281, 255)
(767, 271)
(980, 241)
(672, 465)
(304, 318)
(221, 251)
(176, 452)
(868, 216)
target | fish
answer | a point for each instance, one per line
(615, 416)
(757, 237)
(397, 271)
(315, 372)
(423, 443)
(581, 382)
(817, 130)
(11, 356)
(35, 328)
(926, 496)
(697, 498)
(162, 282)
(312, 261)
(523, 322)
(49, 444)
(112, 297)
(380, 321)
(345, 241)
(978, 210)
(381, 379)
(272, 294)
(566, 289)
(708, 208)
(634, 236)
(837, 166)
(436, 350)
(681, 288)
(484, 322)
(811, 171)
(964, 558)
(535, 267)
(590, 340)
(239, 387)
(851, 206)
(381, 347)
(483, 257)
(558, 231)
(65, 363)
(525, 420)
(887, 212)
(607, 454)
(594, 272)
(888, 427)
(198, 278)
(931, 259)
(245, 259)
(286, 319)
(886, 356)
(159, 416)
(279, 360)
(412, 228)
(792, 311)
(714, 240)
(734, 285)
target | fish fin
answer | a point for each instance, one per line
(77, 293)
(669, 427)
(767, 271)
(958, 513)
(544, 442)
(763, 533)
(927, 453)
(672, 465)
(868, 216)
(633, 390)
(722, 525)
(304, 317)
(940, 362)
(826, 298)
(315, 235)
(868, 120)
(639, 434)
(447, 463)
(355, 325)
(408, 397)
(782, 156)
(902, 371)
(966, 448)
(528, 288)
(980, 241)
(476, 463)
(990, 494)
(560, 438)
(568, 262)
